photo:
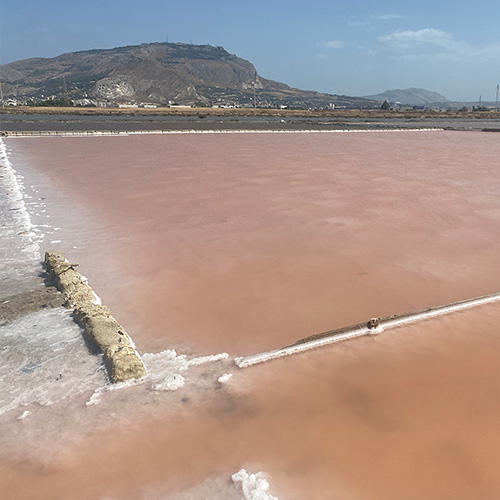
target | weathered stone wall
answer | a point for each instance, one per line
(120, 357)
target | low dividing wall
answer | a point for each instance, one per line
(255, 130)
(373, 326)
(120, 357)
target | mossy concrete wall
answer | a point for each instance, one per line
(120, 357)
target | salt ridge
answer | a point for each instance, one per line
(362, 330)
(21, 224)
(19, 238)
(193, 131)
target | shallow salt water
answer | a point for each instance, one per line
(239, 243)
(42, 356)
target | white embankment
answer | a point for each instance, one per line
(359, 330)
(86, 133)
(19, 245)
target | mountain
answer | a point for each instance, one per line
(409, 96)
(158, 73)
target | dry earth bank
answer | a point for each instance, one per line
(249, 112)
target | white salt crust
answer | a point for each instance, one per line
(19, 244)
(253, 486)
(166, 371)
(242, 131)
(224, 378)
(43, 361)
(166, 368)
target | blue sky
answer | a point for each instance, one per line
(355, 47)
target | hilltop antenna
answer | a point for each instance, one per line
(166, 37)
(496, 102)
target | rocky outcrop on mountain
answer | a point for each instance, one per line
(416, 97)
(159, 73)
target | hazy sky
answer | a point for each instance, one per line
(355, 47)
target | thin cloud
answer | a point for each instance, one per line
(434, 44)
(334, 44)
(358, 24)
(427, 37)
(371, 19)
(388, 17)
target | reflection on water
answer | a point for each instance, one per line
(241, 243)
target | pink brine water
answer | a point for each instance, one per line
(246, 242)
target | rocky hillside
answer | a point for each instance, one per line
(416, 97)
(159, 73)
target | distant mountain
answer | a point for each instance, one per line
(409, 96)
(158, 73)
